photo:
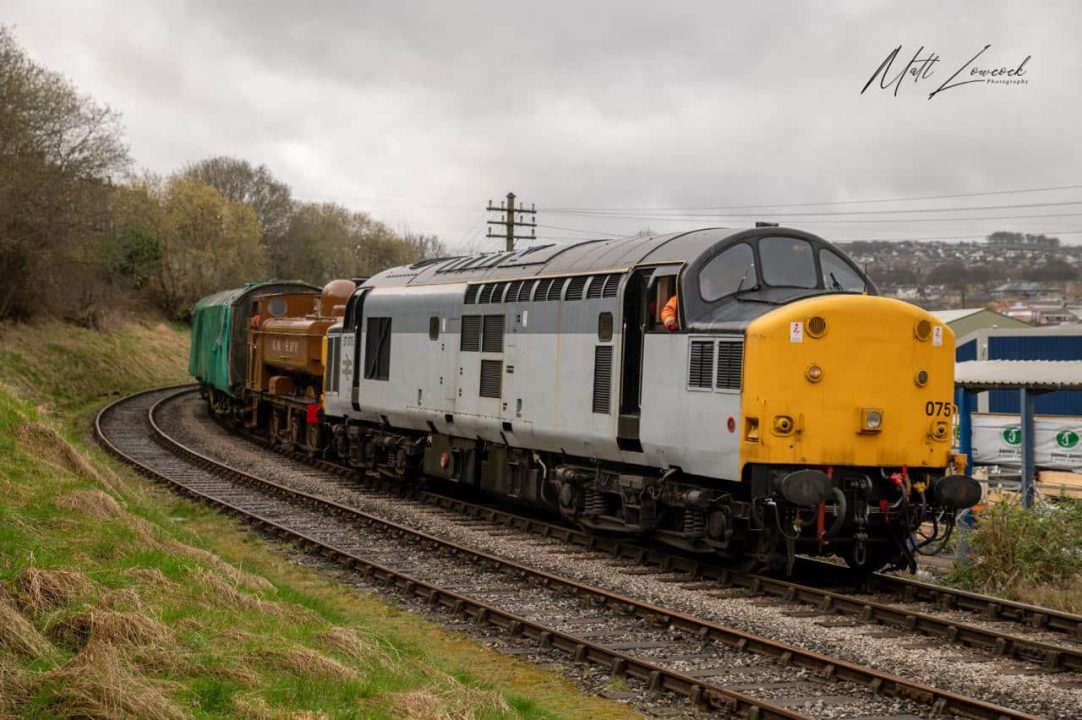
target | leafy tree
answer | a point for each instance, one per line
(255, 186)
(58, 153)
(328, 241)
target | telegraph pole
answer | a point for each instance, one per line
(508, 209)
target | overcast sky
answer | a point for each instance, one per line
(640, 113)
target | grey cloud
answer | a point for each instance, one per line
(422, 111)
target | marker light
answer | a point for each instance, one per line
(871, 420)
(814, 373)
(921, 378)
(923, 330)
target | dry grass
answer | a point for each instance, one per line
(221, 591)
(92, 503)
(41, 591)
(347, 642)
(51, 448)
(121, 630)
(18, 634)
(309, 663)
(455, 701)
(100, 684)
(255, 583)
(14, 687)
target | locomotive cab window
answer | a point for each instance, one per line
(838, 274)
(788, 262)
(433, 328)
(728, 272)
(661, 290)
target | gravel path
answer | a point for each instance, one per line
(935, 662)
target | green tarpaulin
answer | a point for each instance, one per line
(219, 325)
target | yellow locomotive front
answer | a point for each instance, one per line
(847, 418)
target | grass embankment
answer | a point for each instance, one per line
(119, 599)
(1033, 556)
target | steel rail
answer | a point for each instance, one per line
(697, 689)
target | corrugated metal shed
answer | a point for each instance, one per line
(1059, 342)
(1016, 374)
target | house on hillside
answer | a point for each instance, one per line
(964, 322)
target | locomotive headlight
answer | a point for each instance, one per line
(814, 373)
(871, 420)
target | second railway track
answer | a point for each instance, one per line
(714, 665)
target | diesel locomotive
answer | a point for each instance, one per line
(792, 410)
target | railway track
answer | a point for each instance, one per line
(715, 666)
(884, 599)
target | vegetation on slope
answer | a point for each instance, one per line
(119, 599)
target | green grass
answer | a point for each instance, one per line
(119, 599)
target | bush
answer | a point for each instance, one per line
(1019, 553)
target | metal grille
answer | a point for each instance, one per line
(336, 367)
(491, 378)
(574, 290)
(486, 294)
(492, 339)
(471, 333)
(556, 289)
(701, 364)
(612, 282)
(497, 294)
(730, 364)
(602, 379)
(596, 283)
(542, 289)
(526, 290)
(471, 294)
(512, 291)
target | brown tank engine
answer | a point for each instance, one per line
(286, 339)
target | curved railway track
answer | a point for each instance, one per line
(664, 649)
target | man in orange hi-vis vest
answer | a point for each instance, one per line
(669, 315)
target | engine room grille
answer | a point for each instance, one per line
(513, 291)
(526, 290)
(612, 282)
(491, 378)
(542, 289)
(486, 293)
(574, 290)
(556, 288)
(471, 294)
(701, 364)
(730, 364)
(597, 282)
(602, 379)
(336, 363)
(471, 333)
(492, 340)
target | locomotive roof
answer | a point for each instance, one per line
(549, 259)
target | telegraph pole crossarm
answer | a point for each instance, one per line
(510, 223)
